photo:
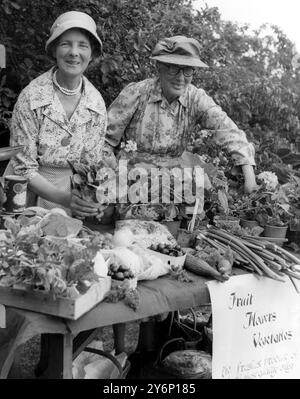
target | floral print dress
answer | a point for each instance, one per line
(50, 139)
(142, 114)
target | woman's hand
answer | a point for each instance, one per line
(81, 208)
(249, 179)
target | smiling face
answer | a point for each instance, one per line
(173, 85)
(73, 53)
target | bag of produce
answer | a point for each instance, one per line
(146, 232)
(135, 263)
(153, 266)
(124, 263)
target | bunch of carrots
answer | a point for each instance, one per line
(255, 254)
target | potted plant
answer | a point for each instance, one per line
(292, 190)
(246, 207)
(273, 212)
(217, 205)
(275, 226)
(268, 207)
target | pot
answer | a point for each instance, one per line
(186, 238)
(224, 221)
(275, 231)
(173, 226)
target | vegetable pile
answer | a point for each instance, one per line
(119, 272)
(253, 253)
(167, 249)
(32, 260)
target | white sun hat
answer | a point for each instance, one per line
(69, 20)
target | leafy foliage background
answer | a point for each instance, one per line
(250, 75)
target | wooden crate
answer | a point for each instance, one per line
(68, 308)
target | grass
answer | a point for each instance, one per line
(28, 354)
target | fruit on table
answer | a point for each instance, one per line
(168, 249)
(119, 272)
(224, 266)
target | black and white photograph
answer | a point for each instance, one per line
(149, 192)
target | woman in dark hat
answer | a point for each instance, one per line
(60, 116)
(159, 113)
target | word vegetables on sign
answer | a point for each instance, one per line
(256, 328)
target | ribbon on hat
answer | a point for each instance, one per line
(170, 45)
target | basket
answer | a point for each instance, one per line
(122, 371)
(208, 336)
(173, 261)
(159, 370)
(177, 336)
(191, 319)
(192, 337)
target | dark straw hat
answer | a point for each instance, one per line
(180, 50)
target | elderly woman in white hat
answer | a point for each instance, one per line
(60, 116)
(159, 113)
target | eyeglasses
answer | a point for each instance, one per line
(174, 70)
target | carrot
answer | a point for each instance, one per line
(202, 268)
(224, 266)
(222, 248)
(255, 253)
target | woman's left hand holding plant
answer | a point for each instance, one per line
(82, 208)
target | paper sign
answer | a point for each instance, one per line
(256, 328)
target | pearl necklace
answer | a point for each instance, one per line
(67, 92)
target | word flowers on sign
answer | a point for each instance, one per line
(256, 328)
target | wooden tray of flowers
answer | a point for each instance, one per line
(54, 273)
(60, 306)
